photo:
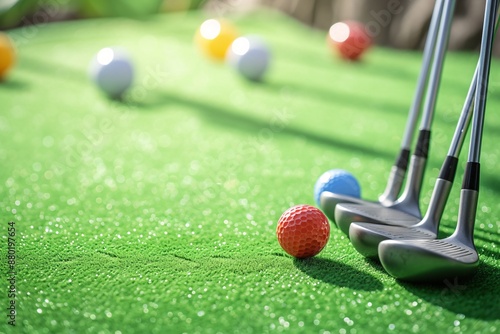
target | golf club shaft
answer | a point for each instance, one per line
(449, 167)
(483, 80)
(409, 200)
(465, 118)
(437, 65)
(435, 79)
(471, 177)
(444, 183)
(430, 45)
(448, 170)
(459, 136)
(470, 186)
(398, 171)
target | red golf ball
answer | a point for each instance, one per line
(349, 39)
(303, 231)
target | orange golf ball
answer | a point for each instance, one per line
(7, 54)
(303, 231)
(214, 37)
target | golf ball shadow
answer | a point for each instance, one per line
(338, 274)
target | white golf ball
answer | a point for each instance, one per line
(250, 56)
(112, 71)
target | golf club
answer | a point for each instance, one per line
(406, 208)
(329, 200)
(365, 237)
(429, 260)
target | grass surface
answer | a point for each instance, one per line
(158, 214)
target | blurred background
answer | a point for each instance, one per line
(394, 23)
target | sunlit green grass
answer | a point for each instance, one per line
(157, 214)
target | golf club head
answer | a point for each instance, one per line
(427, 260)
(329, 200)
(365, 237)
(405, 211)
(346, 214)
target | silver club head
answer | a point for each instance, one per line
(432, 260)
(405, 211)
(365, 237)
(346, 214)
(329, 201)
(427, 260)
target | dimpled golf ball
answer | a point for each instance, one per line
(112, 71)
(250, 56)
(337, 181)
(7, 54)
(303, 231)
(214, 37)
(348, 39)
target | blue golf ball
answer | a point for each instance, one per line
(112, 71)
(337, 181)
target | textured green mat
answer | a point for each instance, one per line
(158, 214)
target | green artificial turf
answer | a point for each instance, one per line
(157, 214)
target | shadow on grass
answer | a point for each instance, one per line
(13, 84)
(475, 297)
(336, 99)
(491, 182)
(158, 99)
(375, 264)
(338, 274)
(228, 118)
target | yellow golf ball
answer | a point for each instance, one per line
(214, 37)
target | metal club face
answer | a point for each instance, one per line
(428, 260)
(329, 201)
(404, 212)
(365, 237)
(431, 260)
(346, 214)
